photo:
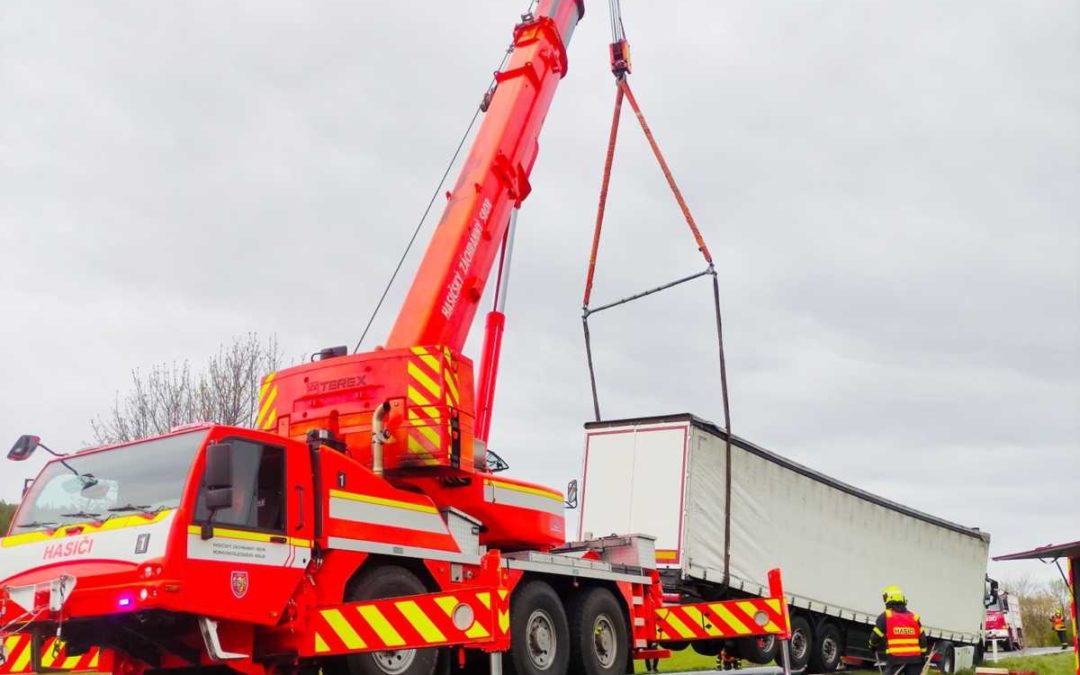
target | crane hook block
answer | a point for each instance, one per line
(620, 58)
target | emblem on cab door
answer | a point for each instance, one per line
(240, 584)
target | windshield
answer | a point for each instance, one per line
(138, 478)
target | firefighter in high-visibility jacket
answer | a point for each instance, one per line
(899, 635)
(1059, 627)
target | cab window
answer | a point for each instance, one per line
(258, 502)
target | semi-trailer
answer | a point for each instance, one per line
(720, 517)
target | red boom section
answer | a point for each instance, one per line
(442, 302)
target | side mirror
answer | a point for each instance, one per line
(219, 478)
(23, 448)
(572, 494)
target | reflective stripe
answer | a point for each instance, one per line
(244, 535)
(383, 501)
(902, 631)
(389, 636)
(429, 631)
(523, 496)
(405, 516)
(347, 544)
(343, 629)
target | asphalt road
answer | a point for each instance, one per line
(1033, 651)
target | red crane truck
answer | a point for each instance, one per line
(362, 527)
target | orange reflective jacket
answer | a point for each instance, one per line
(1059, 622)
(902, 630)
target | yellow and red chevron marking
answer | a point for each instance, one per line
(17, 650)
(266, 417)
(437, 619)
(432, 386)
(728, 619)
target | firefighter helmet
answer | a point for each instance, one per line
(893, 594)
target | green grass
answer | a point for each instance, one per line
(1054, 664)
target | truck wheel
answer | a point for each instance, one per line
(539, 633)
(826, 649)
(802, 638)
(388, 582)
(759, 650)
(599, 640)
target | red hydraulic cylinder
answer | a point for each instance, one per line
(489, 371)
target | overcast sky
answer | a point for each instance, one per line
(891, 191)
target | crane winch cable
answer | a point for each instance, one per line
(620, 67)
(442, 181)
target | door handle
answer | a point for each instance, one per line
(300, 495)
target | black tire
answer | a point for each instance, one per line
(539, 632)
(708, 647)
(826, 650)
(759, 650)
(388, 582)
(676, 646)
(802, 640)
(599, 639)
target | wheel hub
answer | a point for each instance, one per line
(829, 649)
(541, 635)
(394, 662)
(798, 645)
(604, 642)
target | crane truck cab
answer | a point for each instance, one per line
(187, 523)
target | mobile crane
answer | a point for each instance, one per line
(361, 527)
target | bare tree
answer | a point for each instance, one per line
(225, 391)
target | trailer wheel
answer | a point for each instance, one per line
(760, 650)
(599, 640)
(802, 638)
(826, 649)
(387, 582)
(539, 632)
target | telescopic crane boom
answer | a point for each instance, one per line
(410, 409)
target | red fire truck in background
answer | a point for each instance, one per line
(1003, 621)
(363, 527)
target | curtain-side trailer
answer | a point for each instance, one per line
(719, 519)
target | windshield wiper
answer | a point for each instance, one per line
(145, 508)
(81, 514)
(38, 524)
